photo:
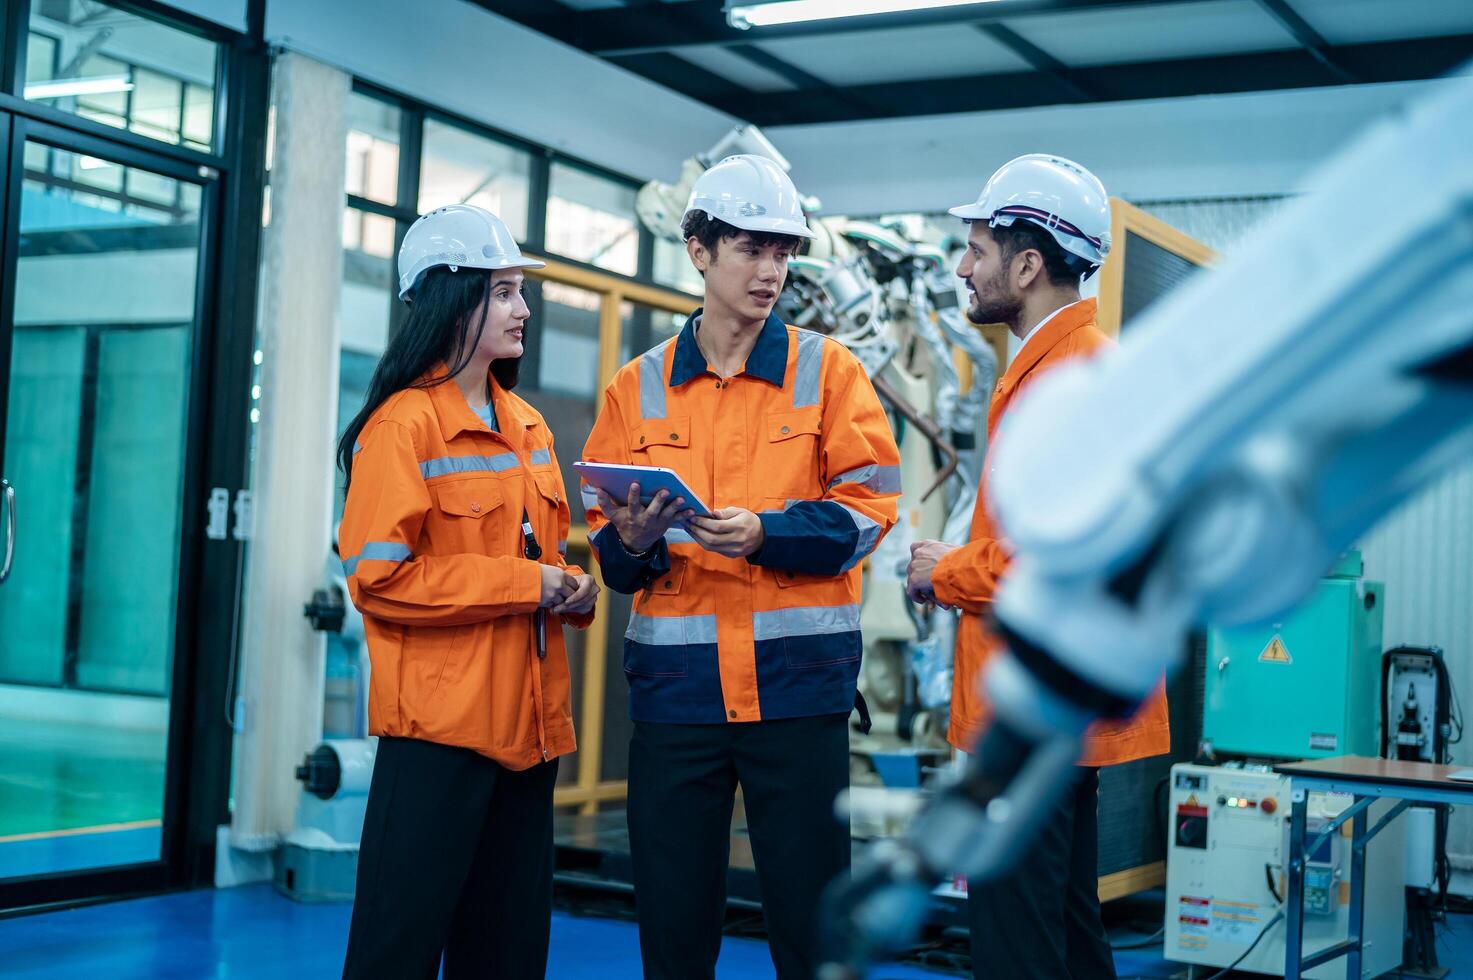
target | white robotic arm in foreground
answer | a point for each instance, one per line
(1250, 428)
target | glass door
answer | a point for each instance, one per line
(105, 266)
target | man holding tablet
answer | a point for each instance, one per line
(743, 648)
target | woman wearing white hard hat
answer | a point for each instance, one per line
(452, 539)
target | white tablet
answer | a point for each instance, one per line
(615, 480)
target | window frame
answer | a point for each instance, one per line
(15, 27)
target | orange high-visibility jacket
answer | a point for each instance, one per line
(968, 576)
(798, 437)
(432, 548)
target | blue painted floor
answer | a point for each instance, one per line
(251, 933)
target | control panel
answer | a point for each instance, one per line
(1227, 878)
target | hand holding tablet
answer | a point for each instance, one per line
(615, 480)
(640, 515)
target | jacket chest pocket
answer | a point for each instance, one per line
(788, 458)
(660, 442)
(463, 508)
(670, 583)
(550, 493)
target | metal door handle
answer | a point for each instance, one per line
(8, 493)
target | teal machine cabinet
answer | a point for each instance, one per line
(1305, 687)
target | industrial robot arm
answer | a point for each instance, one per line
(1250, 428)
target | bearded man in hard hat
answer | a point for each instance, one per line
(1040, 226)
(743, 648)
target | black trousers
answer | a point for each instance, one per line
(456, 860)
(1042, 921)
(682, 788)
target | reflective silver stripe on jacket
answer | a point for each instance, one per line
(447, 465)
(377, 551)
(666, 631)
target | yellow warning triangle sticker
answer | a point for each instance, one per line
(1275, 653)
(1192, 800)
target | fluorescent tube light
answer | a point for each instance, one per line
(745, 15)
(62, 87)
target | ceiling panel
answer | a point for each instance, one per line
(1360, 21)
(1155, 33)
(865, 57)
(734, 68)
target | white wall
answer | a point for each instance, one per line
(457, 56)
(1424, 554)
(1210, 146)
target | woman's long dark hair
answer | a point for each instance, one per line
(435, 331)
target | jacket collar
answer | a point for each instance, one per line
(1065, 322)
(768, 360)
(455, 414)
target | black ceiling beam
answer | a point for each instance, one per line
(659, 27)
(689, 78)
(809, 83)
(1387, 61)
(682, 76)
(776, 65)
(1041, 60)
(1309, 38)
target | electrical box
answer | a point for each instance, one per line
(1225, 875)
(1306, 686)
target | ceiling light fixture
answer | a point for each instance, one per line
(61, 87)
(745, 15)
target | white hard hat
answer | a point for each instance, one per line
(1056, 194)
(458, 236)
(751, 193)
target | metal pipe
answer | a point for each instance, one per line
(928, 428)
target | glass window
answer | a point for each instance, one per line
(105, 186)
(199, 116)
(371, 234)
(96, 444)
(567, 372)
(591, 219)
(643, 327)
(570, 336)
(145, 185)
(124, 70)
(103, 90)
(40, 57)
(462, 168)
(672, 267)
(158, 106)
(373, 149)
